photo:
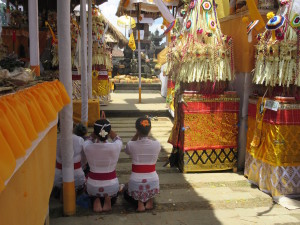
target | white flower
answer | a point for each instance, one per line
(103, 133)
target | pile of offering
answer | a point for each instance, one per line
(10, 63)
(127, 79)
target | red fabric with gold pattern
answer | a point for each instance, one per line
(208, 122)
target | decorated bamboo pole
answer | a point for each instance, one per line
(83, 52)
(139, 55)
(34, 36)
(66, 115)
(90, 50)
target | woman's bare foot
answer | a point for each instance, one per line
(149, 204)
(141, 207)
(121, 188)
(97, 205)
(107, 204)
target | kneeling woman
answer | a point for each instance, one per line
(144, 182)
(102, 156)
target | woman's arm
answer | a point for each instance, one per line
(134, 138)
(116, 139)
(112, 134)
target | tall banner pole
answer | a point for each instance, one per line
(83, 53)
(139, 55)
(90, 50)
(34, 36)
(66, 115)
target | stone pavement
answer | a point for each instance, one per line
(210, 198)
(124, 103)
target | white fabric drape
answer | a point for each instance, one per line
(164, 10)
(90, 51)
(83, 53)
(164, 81)
(65, 76)
(33, 33)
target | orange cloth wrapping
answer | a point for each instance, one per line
(243, 50)
(22, 116)
(93, 111)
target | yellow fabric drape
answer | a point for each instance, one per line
(93, 111)
(255, 15)
(7, 161)
(223, 8)
(162, 56)
(131, 42)
(22, 116)
(277, 145)
(25, 200)
(99, 87)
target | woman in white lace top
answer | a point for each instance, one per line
(102, 156)
(144, 181)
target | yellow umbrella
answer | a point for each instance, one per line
(126, 21)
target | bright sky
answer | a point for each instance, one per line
(109, 10)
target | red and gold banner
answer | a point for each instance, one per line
(287, 114)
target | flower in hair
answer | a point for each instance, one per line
(103, 133)
(145, 123)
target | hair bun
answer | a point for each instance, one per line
(143, 125)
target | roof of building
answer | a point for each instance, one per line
(117, 53)
(114, 35)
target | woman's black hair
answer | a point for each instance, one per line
(143, 125)
(80, 130)
(100, 127)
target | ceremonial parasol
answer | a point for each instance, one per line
(126, 21)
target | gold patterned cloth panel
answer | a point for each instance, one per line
(209, 121)
(276, 180)
(226, 99)
(100, 87)
(275, 144)
(214, 130)
(208, 160)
